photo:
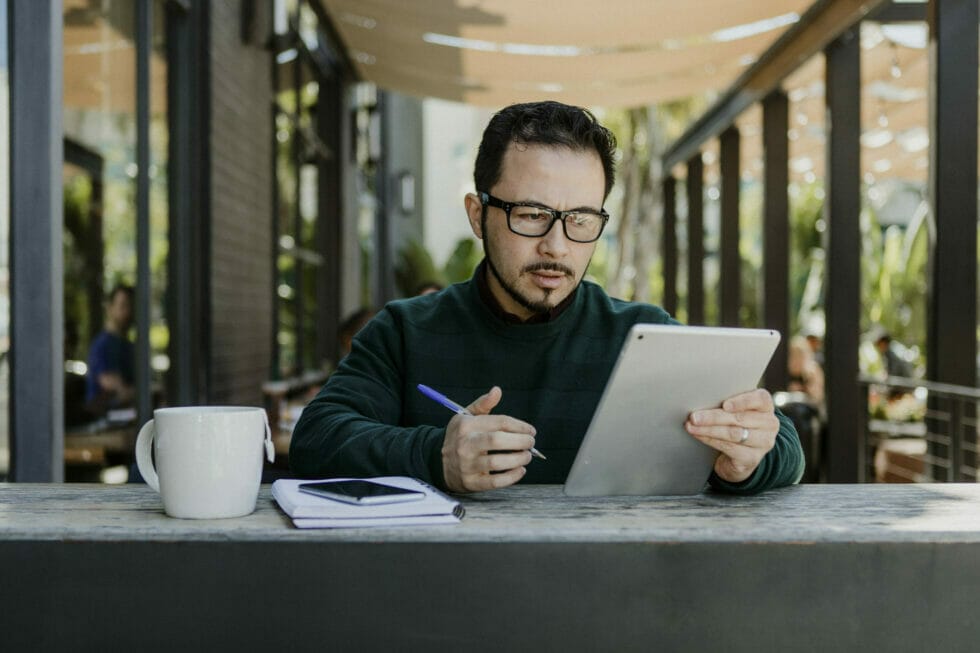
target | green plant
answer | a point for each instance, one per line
(461, 263)
(414, 267)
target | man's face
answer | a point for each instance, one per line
(533, 275)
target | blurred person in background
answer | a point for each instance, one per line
(350, 326)
(110, 372)
(892, 362)
(805, 373)
(427, 288)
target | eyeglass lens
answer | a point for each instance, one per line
(536, 221)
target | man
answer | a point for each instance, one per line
(893, 363)
(110, 359)
(526, 337)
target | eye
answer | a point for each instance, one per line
(530, 213)
(582, 219)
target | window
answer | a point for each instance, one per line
(100, 199)
(300, 155)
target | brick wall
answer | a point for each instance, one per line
(241, 211)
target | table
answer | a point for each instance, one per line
(898, 451)
(90, 446)
(818, 567)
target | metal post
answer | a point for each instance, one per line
(956, 430)
(670, 245)
(731, 274)
(695, 240)
(36, 285)
(953, 186)
(188, 214)
(144, 45)
(330, 115)
(952, 321)
(842, 210)
(775, 256)
(298, 264)
(384, 283)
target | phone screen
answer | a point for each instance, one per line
(360, 491)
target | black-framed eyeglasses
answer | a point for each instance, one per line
(535, 221)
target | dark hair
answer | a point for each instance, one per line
(121, 288)
(427, 286)
(353, 322)
(542, 123)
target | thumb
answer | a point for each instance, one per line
(487, 402)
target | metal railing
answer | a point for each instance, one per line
(919, 431)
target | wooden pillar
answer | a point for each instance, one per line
(695, 240)
(731, 273)
(842, 209)
(952, 323)
(670, 245)
(775, 234)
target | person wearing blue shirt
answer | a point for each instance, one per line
(109, 379)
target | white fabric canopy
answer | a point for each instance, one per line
(617, 53)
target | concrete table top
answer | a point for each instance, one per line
(804, 513)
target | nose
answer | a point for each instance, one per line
(554, 244)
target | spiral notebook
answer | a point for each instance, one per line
(309, 511)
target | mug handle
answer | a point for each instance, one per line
(144, 457)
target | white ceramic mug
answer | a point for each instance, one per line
(208, 459)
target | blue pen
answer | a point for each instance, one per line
(459, 410)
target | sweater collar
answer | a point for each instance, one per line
(491, 302)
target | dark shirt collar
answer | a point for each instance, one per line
(486, 294)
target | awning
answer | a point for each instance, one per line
(615, 54)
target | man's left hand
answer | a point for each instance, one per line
(743, 430)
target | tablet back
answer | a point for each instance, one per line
(636, 443)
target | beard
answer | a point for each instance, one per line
(510, 285)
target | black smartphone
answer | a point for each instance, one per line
(360, 492)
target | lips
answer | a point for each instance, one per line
(547, 279)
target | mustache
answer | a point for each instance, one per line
(551, 267)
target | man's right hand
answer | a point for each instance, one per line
(484, 451)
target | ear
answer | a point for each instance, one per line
(474, 211)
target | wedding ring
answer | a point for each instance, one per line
(745, 436)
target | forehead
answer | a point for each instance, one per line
(552, 174)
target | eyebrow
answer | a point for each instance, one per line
(541, 205)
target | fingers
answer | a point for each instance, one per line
(504, 461)
(485, 452)
(484, 404)
(743, 430)
(755, 432)
(514, 436)
(485, 470)
(758, 399)
(751, 412)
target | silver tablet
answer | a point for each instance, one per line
(636, 443)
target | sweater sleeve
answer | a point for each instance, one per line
(783, 465)
(350, 428)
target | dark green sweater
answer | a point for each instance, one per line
(371, 420)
